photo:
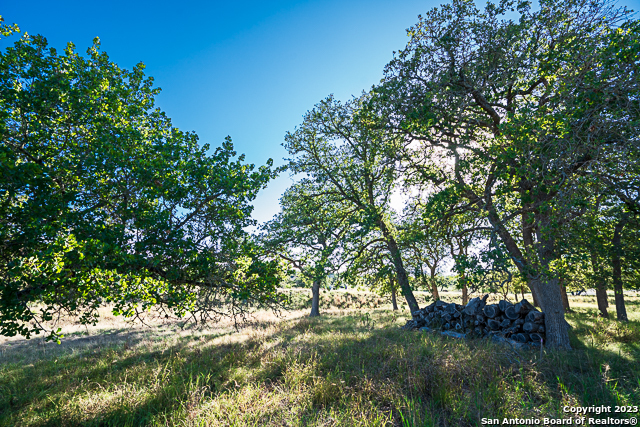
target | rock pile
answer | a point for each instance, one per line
(519, 322)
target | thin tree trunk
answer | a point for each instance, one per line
(315, 299)
(465, 296)
(465, 291)
(434, 285)
(462, 281)
(529, 246)
(601, 289)
(603, 300)
(621, 311)
(434, 290)
(394, 291)
(535, 302)
(403, 279)
(534, 296)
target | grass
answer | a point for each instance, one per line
(346, 368)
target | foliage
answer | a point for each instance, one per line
(103, 201)
(350, 161)
(425, 246)
(505, 117)
(308, 231)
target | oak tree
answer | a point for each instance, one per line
(509, 106)
(103, 201)
(338, 146)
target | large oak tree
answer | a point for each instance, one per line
(351, 161)
(510, 111)
(309, 232)
(103, 201)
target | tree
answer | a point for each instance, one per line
(308, 233)
(461, 232)
(621, 176)
(610, 244)
(510, 113)
(103, 201)
(337, 146)
(368, 258)
(425, 245)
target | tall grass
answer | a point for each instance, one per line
(346, 368)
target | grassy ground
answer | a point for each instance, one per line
(350, 367)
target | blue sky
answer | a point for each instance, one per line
(246, 69)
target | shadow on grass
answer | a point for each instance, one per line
(335, 364)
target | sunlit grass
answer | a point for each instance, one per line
(346, 368)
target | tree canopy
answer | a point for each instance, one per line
(337, 145)
(102, 200)
(308, 233)
(512, 114)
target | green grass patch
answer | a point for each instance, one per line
(349, 368)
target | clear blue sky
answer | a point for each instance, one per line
(246, 69)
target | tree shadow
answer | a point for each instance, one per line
(405, 374)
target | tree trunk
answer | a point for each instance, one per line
(601, 287)
(550, 299)
(462, 281)
(529, 246)
(603, 302)
(546, 291)
(315, 299)
(465, 296)
(394, 291)
(534, 297)
(621, 311)
(394, 302)
(434, 285)
(565, 298)
(403, 279)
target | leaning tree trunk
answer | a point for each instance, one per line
(601, 297)
(315, 299)
(545, 290)
(621, 311)
(601, 288)
(434, 290)
(529, 246)
(536, 302)
(403, 279)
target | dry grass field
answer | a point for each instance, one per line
(353, 366)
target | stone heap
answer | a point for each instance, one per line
(521, 322)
